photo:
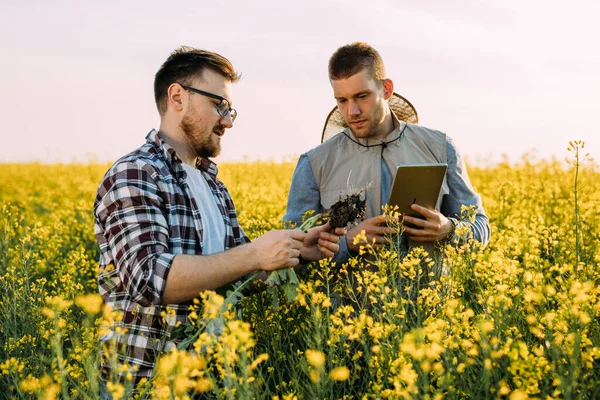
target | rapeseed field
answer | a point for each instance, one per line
(518, 319)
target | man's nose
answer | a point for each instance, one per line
(353, 108)
(227, 121)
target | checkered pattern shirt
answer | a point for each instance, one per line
(144, 216)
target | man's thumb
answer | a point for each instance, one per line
(324, 228)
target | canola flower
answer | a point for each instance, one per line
(518, 319)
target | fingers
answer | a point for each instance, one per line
(415, 221)
(432, 229)
(319, 229)
(293, 253)
(371, 223)
(378, 220)
(375, 229)
(431, 224)
(291, 263)
(410, 231)
(291, 258)
(420, 235)
(329, 237)
(297, 234)
(326, 252)
(326, 244)
(393, 230)
(426, 212)
(379, 241)
(341, 231)
(297, 238)
(382, 230)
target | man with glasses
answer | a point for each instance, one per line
(366, 153)
(166, 225)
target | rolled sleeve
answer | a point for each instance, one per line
(135, 230)
(462, 193)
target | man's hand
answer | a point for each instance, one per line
(319, 243)
(435, 225)
(277, 249)
(375, 228)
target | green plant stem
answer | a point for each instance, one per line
(576, 207)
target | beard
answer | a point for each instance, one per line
(372, 124)
(200, 137)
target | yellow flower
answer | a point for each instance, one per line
(52, 392)
(48, 312)
(29, 385)
(315, 358)
(167, 363)
(258, 360)
(518, 395)
(90, 303)
(212, 304)
(181, 384)
(203, 385)
(117, 390)
(315, 376)
(58, 302)
(488, 364)
(339, 374)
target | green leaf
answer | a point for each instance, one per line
(179, 332)
(292, 277)
(274, 278)
(290, 292)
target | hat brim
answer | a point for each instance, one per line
(401, 107)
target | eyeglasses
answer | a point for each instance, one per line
(223, 108)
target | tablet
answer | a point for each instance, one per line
(419, 184)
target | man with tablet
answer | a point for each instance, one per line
(367, 152)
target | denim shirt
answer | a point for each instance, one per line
(304, 195)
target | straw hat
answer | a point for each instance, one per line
(404, 111)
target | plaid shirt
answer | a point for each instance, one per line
(144, 216)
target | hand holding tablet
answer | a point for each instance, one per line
(415, 191)
(417, 184)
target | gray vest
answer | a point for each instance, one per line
(341, 166)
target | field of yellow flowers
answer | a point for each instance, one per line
(519, 319)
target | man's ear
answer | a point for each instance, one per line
(388, 88)
(175, 97)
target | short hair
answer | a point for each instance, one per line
(353, 58)
(186, 64)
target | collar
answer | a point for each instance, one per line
(391, 139)
(173, 160)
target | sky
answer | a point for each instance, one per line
(501, 78)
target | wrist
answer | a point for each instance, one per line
(249, 254)
(450, 235)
